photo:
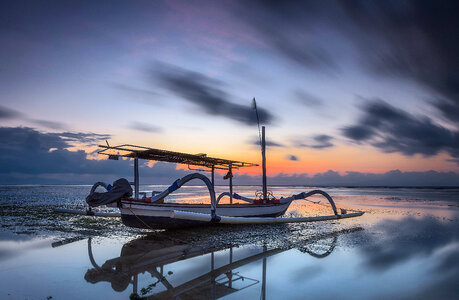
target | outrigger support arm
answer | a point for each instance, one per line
(299, 196)
(179, 182)
(305, 195)
(235, 196)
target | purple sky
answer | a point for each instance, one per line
(365, 87)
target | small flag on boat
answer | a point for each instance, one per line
(254, 103)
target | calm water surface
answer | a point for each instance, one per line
(405, 246)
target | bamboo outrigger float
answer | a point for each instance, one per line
(141, 211)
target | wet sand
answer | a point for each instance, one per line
(405, 246)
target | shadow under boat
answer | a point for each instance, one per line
(152, 254)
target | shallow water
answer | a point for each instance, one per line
(405, 246)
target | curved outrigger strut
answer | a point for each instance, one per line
(305, 195)
(299, 196)
(179, 182)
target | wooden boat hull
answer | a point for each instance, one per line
(158, 216)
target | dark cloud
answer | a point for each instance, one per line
(358, 133)
(289, 29)
(292, 157)
(307, 99)
(23, 139)
(7, 113)
(413, 40)
(26, 150)
(269, 143)
(394, 130)
(88, 138)
(320, 141)
(449, 109)
(207, 94)
(416, 40)
(28, 155)
(296, 50)
(17, 141)
(142, 126)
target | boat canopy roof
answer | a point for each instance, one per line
(201, 159)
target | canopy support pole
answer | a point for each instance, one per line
(136, 178)
(213, 175)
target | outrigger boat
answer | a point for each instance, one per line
(151, 212)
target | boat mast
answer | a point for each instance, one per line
(263, 150)
(263, 154)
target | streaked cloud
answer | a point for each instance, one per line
(87, 138)
(307, 99)
(269, 143)
(8, 113)
(48, 124)
(320, 141)
(288, 28)
(136, 90)
(292, 157)
(208, 94)
(143, 126)
(394, 130)
(416, 41)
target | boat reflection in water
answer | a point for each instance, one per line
(154, 255)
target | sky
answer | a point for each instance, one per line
(350, 92)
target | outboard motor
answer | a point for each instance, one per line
(121, 188)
